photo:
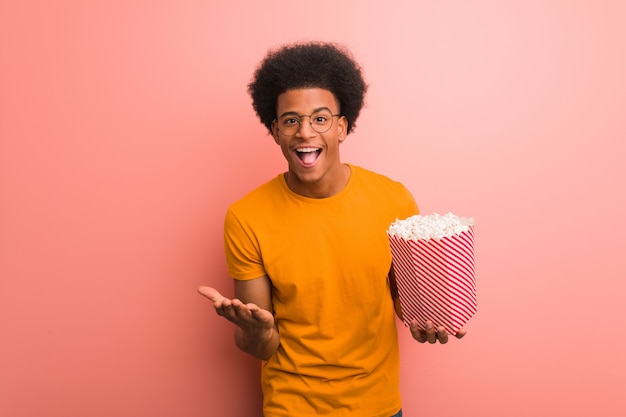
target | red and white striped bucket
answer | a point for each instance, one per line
(436, 279)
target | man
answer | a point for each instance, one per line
(308, 250)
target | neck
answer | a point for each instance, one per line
(331, 184)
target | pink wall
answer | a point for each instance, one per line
(126, 130)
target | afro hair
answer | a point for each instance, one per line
(308, 65)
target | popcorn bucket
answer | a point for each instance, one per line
(436, 279)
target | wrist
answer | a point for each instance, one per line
(261, 345)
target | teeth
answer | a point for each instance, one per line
(303, 150)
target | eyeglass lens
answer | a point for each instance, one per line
(320, 121)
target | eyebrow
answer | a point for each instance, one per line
(293, 113)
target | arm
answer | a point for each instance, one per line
(393, 287)
(261, 341)
(251, 311)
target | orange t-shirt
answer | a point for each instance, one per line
(328, 261)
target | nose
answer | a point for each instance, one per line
(306, 127)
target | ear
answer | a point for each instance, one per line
(342, 128)
(275, 131)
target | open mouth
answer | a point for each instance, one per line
(308, 155)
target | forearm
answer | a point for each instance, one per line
(397, 307)
(259, 346)
(395, 296)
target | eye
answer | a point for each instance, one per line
(320, 119)
(290, 121)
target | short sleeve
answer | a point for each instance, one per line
(411, 206)
(243, 254)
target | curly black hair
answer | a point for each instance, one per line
(308, 65)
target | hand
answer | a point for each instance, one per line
(432, 334)
(252, 319)
(256, 332)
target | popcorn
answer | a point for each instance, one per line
(434, 226)
(433, 263)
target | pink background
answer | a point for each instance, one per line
(126, 130)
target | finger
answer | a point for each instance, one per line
(211, 293)
(418, 334)
(442, 335)
(253, 312)
(240, 310)
(431, 333)
(222, 307)
(228, 308)
(460, 333)
(241, 314)
(261, 315)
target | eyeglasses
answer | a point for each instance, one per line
(320, 121)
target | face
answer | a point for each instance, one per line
(315, 169)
